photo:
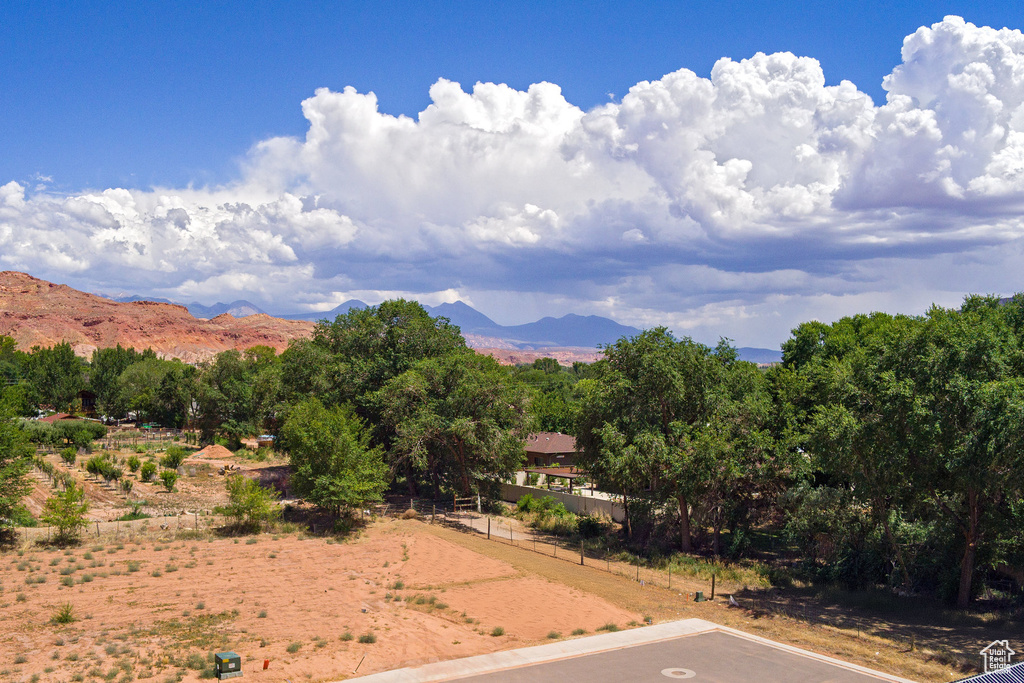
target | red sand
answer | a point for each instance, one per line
(307, 589)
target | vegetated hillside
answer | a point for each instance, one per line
(36, 312)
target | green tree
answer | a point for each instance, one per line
(361, 351)
(249, 504)
(80, 433)
(333, 465)
(105, 370)
(169, 479)
(239, 393)
(58, 375)
(66, 511)
(551, 387)
(653, 399)
(148, 470)
(968, 450)
(178, 395)
(139, 385)
(460, 420)
(15, 458)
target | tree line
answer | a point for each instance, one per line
(883, 450)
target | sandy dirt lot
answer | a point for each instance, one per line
(155, 608)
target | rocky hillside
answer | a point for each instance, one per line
(36, 312)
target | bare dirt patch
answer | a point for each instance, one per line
(157, 607)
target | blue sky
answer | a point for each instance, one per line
(159, 129)
(99, 94)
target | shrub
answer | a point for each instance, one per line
(591, 526)
(169, 478)
(347, 636)
(196, 662)
(65, 614)
(294, 647)
(173, 457)
(134, 463)
(608, 627)
(69, 455)
(368, 638)
(126, 486)
(136, 512)
(148, 470)
(497, 631)
(66, 511)
(249, 504)
(554, 635)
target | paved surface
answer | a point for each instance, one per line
(713, 656)
(691, 649)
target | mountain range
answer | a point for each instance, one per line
(569, 331)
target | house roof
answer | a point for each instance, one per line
(550, 443)
(57, 416)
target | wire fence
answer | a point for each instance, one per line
(595, 553)
(129, 529)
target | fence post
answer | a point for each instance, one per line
(670, 576)
(712, 586)
(511, 540)
(488, 528)
(581, 552)
(638, 568)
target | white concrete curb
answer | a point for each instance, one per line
(566, 649)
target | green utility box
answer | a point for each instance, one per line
(228, 664)
(699, 597)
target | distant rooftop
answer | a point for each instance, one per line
(550, 443)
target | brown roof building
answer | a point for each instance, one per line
(550, 449)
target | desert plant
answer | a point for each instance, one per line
(249, 504)
(368, 638)
(126, 486)
(69, 455)
(148, 471)
(66, 511)
(169, 479)
(497, 631)
(173, 457)
(134, 463)
(65, 614)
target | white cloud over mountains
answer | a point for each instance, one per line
(739, 204)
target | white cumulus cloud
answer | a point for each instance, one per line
(736, 204)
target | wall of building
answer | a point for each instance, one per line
(584, 505)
